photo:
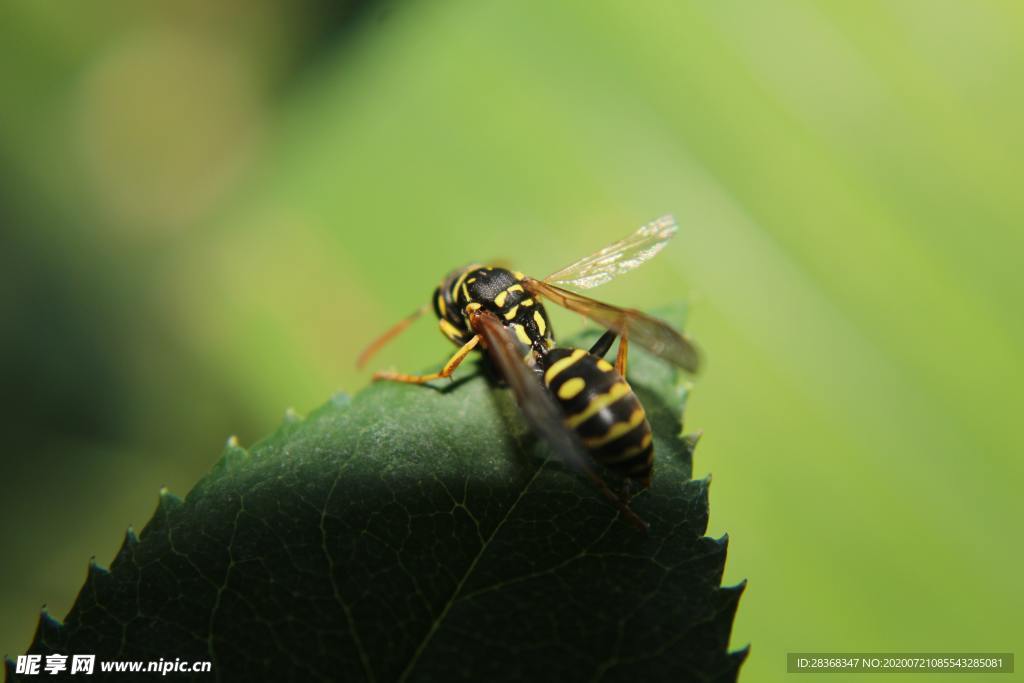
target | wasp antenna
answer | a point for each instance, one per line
(382, 340)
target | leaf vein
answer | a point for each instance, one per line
(469, 571)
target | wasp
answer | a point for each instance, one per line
(574, 398)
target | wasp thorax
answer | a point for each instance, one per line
(494, 288)
(501, 292)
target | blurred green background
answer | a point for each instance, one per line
(207, 209)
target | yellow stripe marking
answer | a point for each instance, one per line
(441, 306)
(562, 364)
(519, 276)
(526, 302)
(599, 403)
(449, 330)
(605, 365)
(541, 325)
(472, 307)
(616, 430)
(460, 282)
(521, 334)
(630, 452)
(471, 280)
(503, 295)
(571, 388)
(512, 312)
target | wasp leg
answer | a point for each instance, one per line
(446, 371)
(631, 485)
(620, 357)
(627, 490)
(602, 345)
(620, 502)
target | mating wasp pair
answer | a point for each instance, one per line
(575, 399)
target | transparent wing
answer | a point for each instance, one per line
(539, 407)
(655, 335)
(618, 258)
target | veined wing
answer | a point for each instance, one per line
(655, 335)
(618, 258)
(538, 407)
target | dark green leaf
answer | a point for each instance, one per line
(419, 534)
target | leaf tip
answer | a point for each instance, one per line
(95, 570)
(126, 550)
(739, 656)
(731, 595)
(691, 440)
(168, 500)
(47, 628)
(738, 587)
(233, 455)
(698, 489)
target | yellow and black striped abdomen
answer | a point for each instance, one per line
(602, 409)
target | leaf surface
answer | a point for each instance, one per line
(414, 533)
